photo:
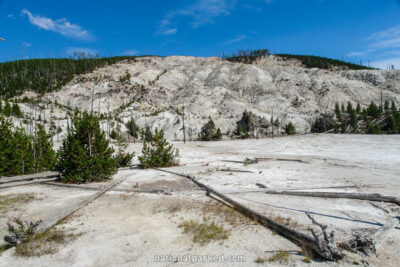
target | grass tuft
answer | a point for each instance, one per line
(204, 232)
(281, 256)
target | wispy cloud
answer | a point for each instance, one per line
(10, 16)
(61, 26)
(202, 12)
(389, 38)
(238, 39)
(387, 63)
(71, 51)
(130, 52)
(383, 46)
(26, 44)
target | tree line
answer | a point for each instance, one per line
(47, 75)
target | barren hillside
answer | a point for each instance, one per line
(151, 89)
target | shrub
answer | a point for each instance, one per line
(123, 158)
(85, 154)
(158, 152)
(290, 129)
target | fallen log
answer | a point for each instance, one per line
(66, 211)
(27, 177)
(27, 183)
(360, 196)
(324, 247)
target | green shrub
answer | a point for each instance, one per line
(158, 152)
(85, 154)
(16, 111)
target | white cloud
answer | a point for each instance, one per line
(202, 12)
(239, 38)
(389, 38)
(71, 51)
(26, 44)
(131, 52)
(10, 16)
(387, 63)
(61, 26)
(360, 53)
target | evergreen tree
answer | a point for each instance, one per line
(146, 134)
(290, 129)
(349, 108)
(16, 111)
(373, 110)
(16, 155)
(358, 108)
(45, 157)
(343, 109)
(158, 152)
(1, 107)
(386, 107)
(133, 129)
(7, 109)
(338, 112)
(123, 158)
(209, 133)
(85, 154)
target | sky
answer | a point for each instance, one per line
(366, 31)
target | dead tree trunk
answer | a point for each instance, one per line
(361, 196)
(324, 247)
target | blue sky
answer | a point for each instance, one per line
(356, 30)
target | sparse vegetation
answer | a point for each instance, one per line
(133, 129)
(205, 232)
(307, 260)
(281, 257)
(322, 62)
(43, 244)
(7, 202)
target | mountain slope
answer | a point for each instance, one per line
(152, 88)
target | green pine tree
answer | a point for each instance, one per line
(45, 157)
(290, 129)
(158, 152)
(7, 109)
(358, 108)
(85, 154)
(133, 129)
(16, 111)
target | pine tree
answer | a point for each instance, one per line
(338, 112)
(16, 154)
(358, 108)
(209, 133)
(85, 154)
(290, 129)
(16, 111)
(45, 157)
(158, 152)
(7, 109)
(133, 129)
(349, 108)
